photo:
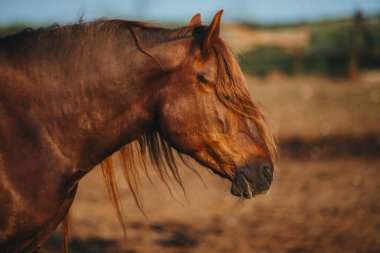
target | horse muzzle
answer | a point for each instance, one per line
(251, 181)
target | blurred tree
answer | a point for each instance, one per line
(361, 40)
(353, 68)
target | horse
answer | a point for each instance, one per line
(71, 96)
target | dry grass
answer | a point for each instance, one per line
(312, 107)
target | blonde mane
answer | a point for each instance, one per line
(132, 157)
(232, 91)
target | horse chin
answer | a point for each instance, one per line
(241, 187)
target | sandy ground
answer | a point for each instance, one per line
(318, 206)
(319, 202)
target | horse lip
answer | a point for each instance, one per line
(241, 187)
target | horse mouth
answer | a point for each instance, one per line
(241, 187)
(244, 188)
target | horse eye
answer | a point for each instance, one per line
(201, 78)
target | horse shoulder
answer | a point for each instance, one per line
(37, 185)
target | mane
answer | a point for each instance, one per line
(148, 149)
(102, 26)
(232, 91)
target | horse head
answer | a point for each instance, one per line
(207, 112)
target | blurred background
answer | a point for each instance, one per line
(314, 67)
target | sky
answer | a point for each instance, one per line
(42, 12)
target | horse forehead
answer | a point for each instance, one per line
(207, 64)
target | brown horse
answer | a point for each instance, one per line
(72, 96)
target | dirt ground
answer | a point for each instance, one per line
(325, 196)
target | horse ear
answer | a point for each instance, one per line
(212, 33)
(196, 20)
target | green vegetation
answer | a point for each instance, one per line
(263, 60)
(331, 47)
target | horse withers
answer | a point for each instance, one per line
(72, 96)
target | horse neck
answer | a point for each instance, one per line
(90, 96)
(124, 99)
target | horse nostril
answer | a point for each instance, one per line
(267, 171)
